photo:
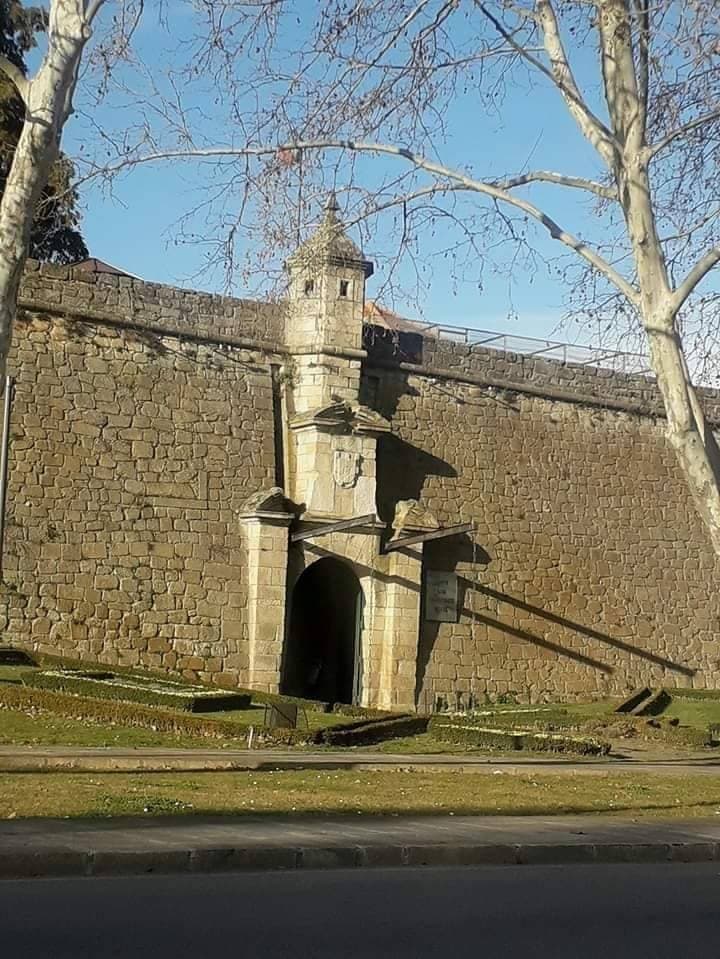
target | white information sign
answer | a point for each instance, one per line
(441, 597)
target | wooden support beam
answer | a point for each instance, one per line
(431, 534)
(338, 527)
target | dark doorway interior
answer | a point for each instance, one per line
(321, 656)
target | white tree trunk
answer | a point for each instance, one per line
(687, 430)
(48, 103)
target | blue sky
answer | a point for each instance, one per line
(133, 229)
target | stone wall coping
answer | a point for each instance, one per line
(144, 288)
(474, 379)
(32, 305)
(530, 389)
(118, 317)
(345, 352)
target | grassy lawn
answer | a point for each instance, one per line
(18, 728)
(43, 728)
(600, 719)
(11, 674)
(426, 744)
(697, 713)
(254, 717)
(694, 712)
(423, 743)
(352, 793)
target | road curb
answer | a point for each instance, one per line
(26, 864)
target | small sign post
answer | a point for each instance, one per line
(441, 597)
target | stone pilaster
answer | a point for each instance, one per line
(400, 629)
(266, 542)
(402, 574)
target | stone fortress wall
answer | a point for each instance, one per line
(144, 417)
(132, 452)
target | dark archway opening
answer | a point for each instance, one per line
(322, 659)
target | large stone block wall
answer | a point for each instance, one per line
(143, 419)
(589, 570)
(131, 456)
(635, 391)
(125, 300)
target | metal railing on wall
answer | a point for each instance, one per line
(620, 361)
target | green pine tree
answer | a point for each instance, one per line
(55, 235)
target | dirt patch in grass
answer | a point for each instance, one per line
(351, 793)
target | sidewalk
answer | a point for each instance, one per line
(33, 848)
(29, 759)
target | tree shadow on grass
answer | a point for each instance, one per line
(347, 814)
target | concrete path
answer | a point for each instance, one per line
(117, 759)
(210, 844)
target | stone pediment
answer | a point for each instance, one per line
(264, 501)
(369, 421)
(410, 515)
(341, 416)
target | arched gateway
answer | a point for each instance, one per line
(306, 541)
(322, 653)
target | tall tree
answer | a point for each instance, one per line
(301, 83)
(48, 102)
(639, 79)
(55, 235)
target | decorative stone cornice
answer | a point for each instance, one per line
(342, 417)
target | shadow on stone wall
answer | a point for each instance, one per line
(402, 467)
(401, 473)
(579, 628)
(447, 554)
(583, 630)
(444, 554)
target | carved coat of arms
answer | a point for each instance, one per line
(346, 468)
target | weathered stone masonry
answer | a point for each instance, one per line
(132, 453)
(150, 427)
(590, 570)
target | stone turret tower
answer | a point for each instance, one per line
(332, 438)
(326, 300)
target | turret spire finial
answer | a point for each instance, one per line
(331, 204)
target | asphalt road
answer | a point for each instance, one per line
(611, 912)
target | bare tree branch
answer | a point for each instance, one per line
(93, 6)
(642, 16)
(561, 179)
(681, 131)
(593, 129)
(489, 189)
(698, 273)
